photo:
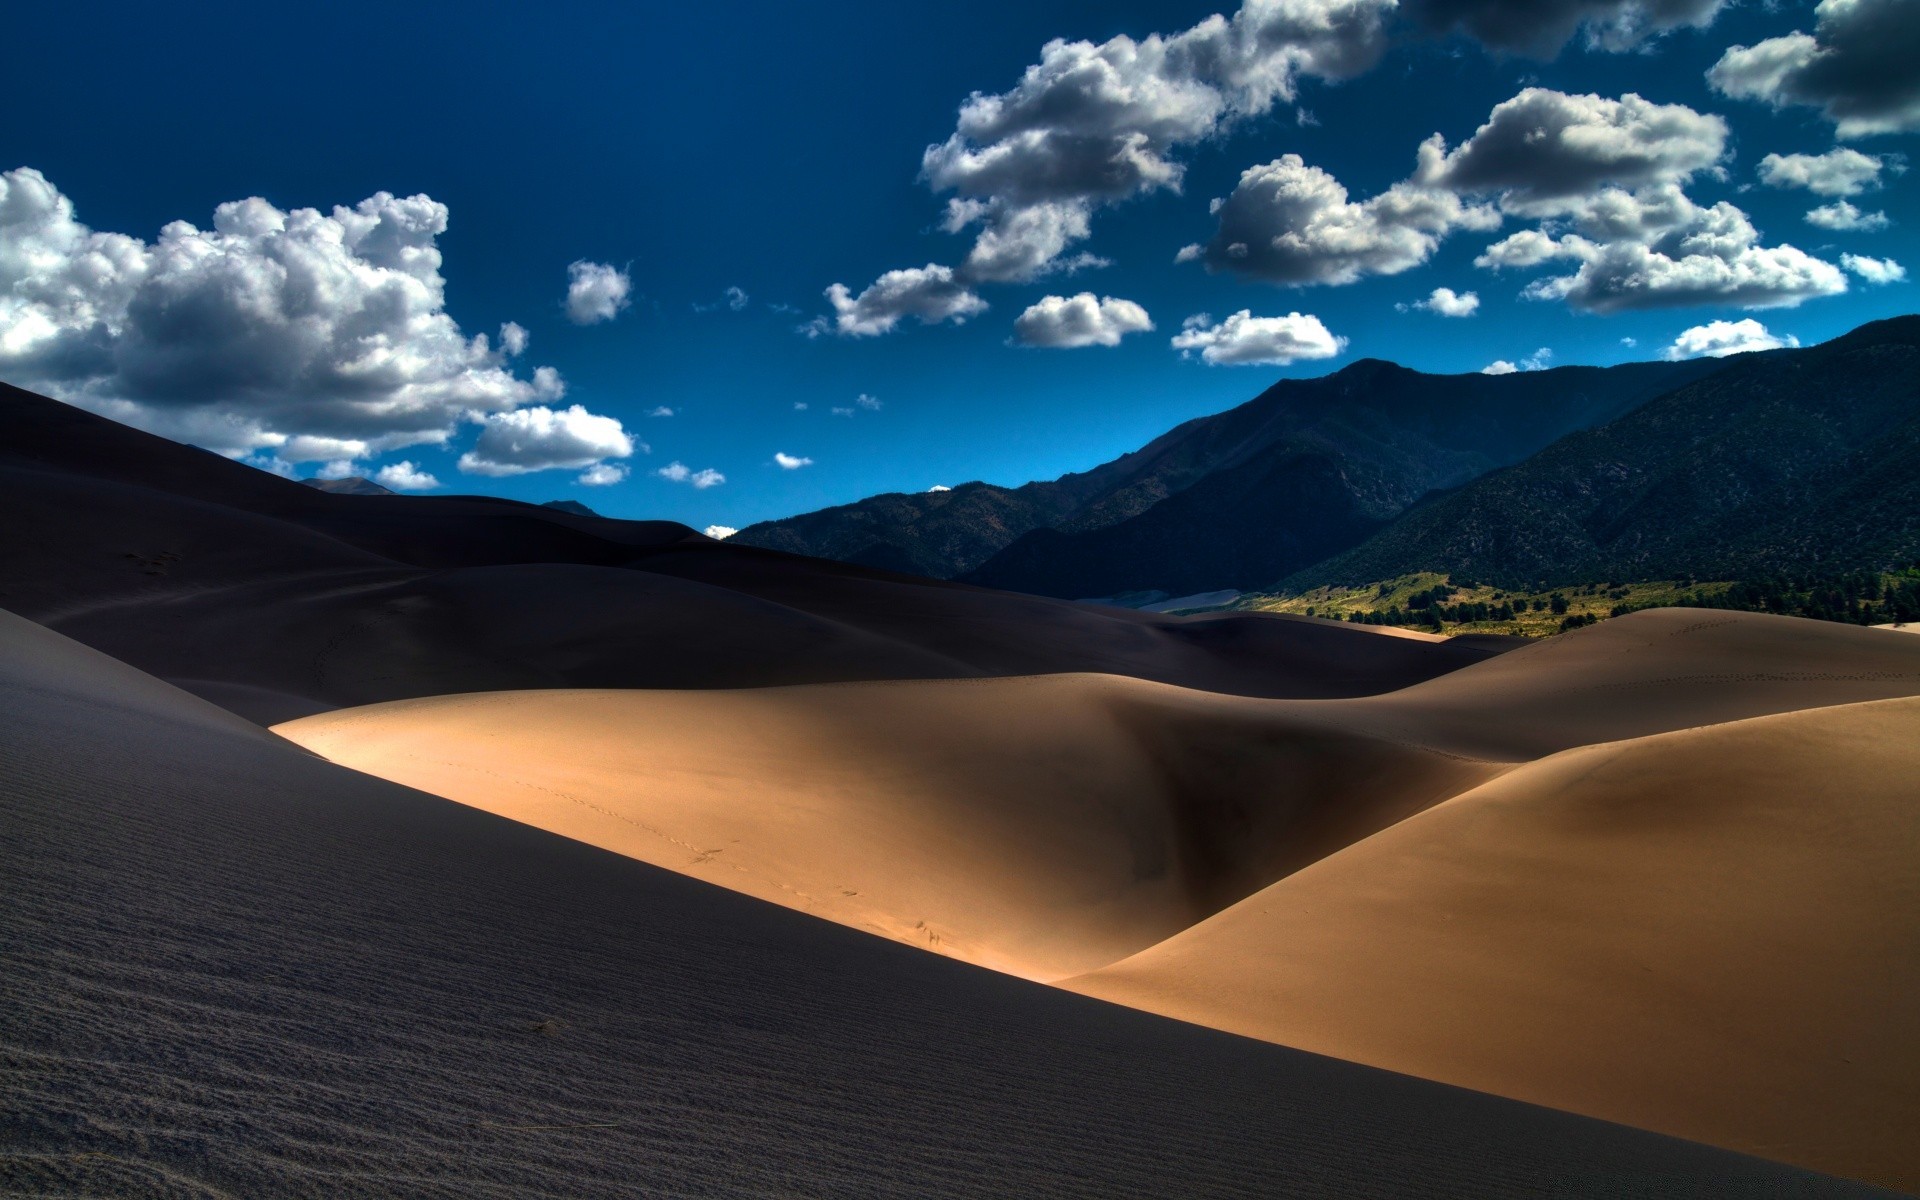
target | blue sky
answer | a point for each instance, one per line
(778, 149)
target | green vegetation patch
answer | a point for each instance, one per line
(1451, 604)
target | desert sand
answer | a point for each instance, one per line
(234, 969)
(1657, 871)
(1714, 932)
(1057, 825)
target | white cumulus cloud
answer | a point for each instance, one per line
(791, 462)
(1655, 248)
(541, 439)
(939, 487)
(1544, 145)
(1856, 67)
(1874, 270)
(1842, 171)
(602, 475)
(1244, 339)
(1290, 223)
(1718, 339)
(931, 294)
(288, 335)
(1844, 217)
(1445, 302)
(1065, 322)
(720, 533)
(404, 476)
(596, 292)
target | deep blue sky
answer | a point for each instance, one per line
(775, 148)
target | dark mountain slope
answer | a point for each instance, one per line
(278, 600)
(1358, 445)
(1788, 460)
(1314, 466)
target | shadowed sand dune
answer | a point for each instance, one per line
(1714, 933)
(280, 600)
(233, 969)
(1058, 824)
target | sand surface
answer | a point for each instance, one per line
(1715, 933)
(1658, 870)
(1055, 826)
(232, 969)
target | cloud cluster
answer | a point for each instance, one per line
(679, 472)
(1244, 339)
(1540, 28)
(1667, 252)
(291, 336)
(720, 533)
(1544, 146)
(1289, 223)
(1718, 339)
(1067, 322)
(931, 294)
(596, 292)
(1090, 125)
(526, 440)
(1603, 177)
(1610, 197)
(1856, 67)
(1842, 171)
(1845, 217)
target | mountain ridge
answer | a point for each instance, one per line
(1374, 436)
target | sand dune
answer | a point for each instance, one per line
(1052, 825)
(1044, 826)
(232, 969)
(1058, 824)
(1714, 933)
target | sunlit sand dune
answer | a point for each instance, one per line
(1045, 826)
(1052, 825)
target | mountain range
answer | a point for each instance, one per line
(1377, 470)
